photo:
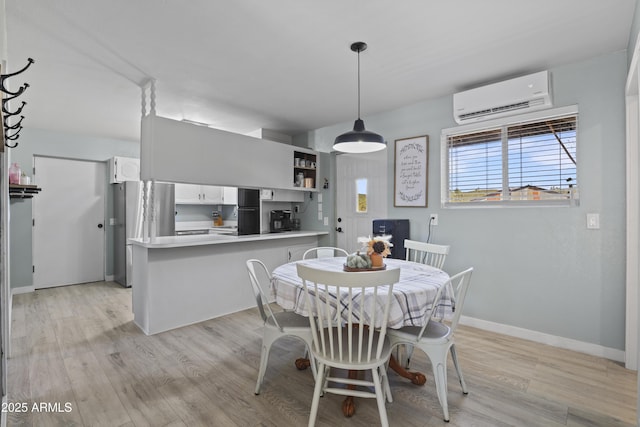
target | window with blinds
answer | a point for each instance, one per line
(526, 163)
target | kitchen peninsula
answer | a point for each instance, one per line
(181, 280)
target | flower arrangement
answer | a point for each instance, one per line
(379, 245)
(376, 248)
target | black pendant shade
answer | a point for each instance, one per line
(359, 140)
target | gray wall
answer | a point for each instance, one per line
(535, 268)
(55, 144)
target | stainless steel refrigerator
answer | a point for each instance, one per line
(127, 206)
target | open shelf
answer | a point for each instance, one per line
(17, 191)
(305, 164)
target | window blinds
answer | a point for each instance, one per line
(524, 163)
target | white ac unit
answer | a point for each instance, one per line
(515, 96)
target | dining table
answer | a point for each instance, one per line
(414, 295)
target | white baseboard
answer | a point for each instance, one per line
(540, 337)
(22, 290)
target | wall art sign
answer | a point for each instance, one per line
(411, 171)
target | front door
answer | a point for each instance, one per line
(68, 214)
(361, 196)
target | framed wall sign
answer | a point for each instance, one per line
(411, 171)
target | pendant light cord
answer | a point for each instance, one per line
(358, 84)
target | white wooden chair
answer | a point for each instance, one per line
(426, 253)
(436, 338)
(353, 337)
(324, 252)
(275, 324)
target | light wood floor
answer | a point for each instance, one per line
(77, 345)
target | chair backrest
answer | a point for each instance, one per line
(459, 285)
(324, 252)
(426, 253)
(351, 311)
(256, 267)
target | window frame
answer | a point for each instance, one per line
(540, 115)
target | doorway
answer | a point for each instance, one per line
(361, 196)
(68, 222)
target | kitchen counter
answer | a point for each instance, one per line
(215, 239)
(181, 280)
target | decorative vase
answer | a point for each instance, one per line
(376, 260)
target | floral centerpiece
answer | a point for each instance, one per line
(376, 248)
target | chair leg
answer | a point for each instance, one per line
(408, 348)
(264, 358)
(317, 390)
(385, 382)
(454, 357)
(439, 364)
(375, 373)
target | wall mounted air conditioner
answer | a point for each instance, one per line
(515, 96)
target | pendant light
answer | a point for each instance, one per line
(359, 140)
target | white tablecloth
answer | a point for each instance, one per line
(414, 293)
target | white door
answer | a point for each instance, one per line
(68, 231)
(361, 196)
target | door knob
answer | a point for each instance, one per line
(100, 225)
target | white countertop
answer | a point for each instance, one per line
(214, 239)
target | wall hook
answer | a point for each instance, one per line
(16, 93)
(14, 136)
(4, 77)
(14, 126)
(9, 113)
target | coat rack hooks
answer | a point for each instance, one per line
(16, 127)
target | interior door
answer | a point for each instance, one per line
(361, 196)
(68, 231)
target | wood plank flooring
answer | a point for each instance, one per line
(77, 346)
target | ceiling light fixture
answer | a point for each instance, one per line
(359, 140)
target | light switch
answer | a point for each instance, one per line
(319, 197)
(319, 216)
(326, 220)
(593, 221)
(319, 207)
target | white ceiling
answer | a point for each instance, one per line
(283, 65)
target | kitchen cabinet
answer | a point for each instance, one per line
(294, 253)
(192, 194)
(123, 169)
(282, 195)
(247, 161)
(230, 195)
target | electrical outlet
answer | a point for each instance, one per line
(433, 219)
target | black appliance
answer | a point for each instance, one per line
(248, 211)
(399, 231)
(279, 221)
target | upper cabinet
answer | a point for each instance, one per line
(192, 194)
(123, 169)
(214, 156)
(230, 195)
